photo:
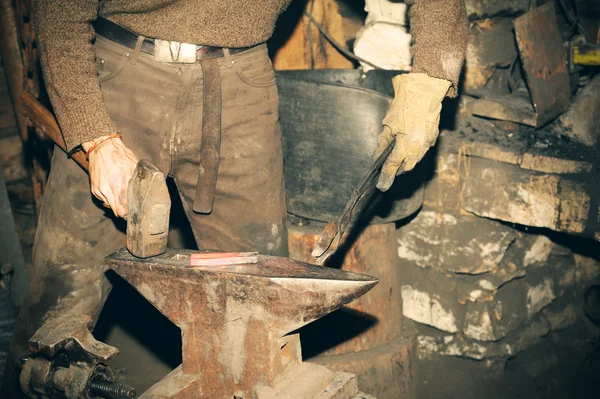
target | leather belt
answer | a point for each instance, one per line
(119, 34)
(210, 143)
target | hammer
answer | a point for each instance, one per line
(147, 194)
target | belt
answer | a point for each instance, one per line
(208, 166)
(119, 34)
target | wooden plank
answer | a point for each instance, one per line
(303, 46)
(7, 116)
(45, 121)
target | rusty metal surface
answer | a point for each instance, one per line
(67, 362)
(377, 317)
(34, 376)
(61, 332)
(233, 319)
(544, 62)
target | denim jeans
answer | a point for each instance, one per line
(157, 107)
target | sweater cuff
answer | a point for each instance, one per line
(81, 122)
(440, 73)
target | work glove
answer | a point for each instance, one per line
(413, 118)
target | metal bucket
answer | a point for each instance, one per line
(330, 120)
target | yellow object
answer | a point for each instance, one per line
(586, 54)
(413, 118)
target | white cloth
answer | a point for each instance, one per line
(384, 40)
(385, 11)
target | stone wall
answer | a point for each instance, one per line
(483, 289)
(491, 48)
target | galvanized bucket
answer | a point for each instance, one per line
(330, 120)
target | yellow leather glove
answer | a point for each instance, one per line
(413, 118)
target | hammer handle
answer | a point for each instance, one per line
(45, 121)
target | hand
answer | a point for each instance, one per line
(111, 166)
(413, 118)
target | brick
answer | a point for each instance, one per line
(431, 342)
(487, 306)
(428, 298)
(536, 360)
(562, 313)
(453, 242)
(493, 320)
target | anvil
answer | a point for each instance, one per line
(235, 320)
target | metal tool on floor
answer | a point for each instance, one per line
(334, 230)
(147, 196)
(67, 362)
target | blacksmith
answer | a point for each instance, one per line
(135, 79)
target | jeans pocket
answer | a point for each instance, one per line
(108, 69)
(111, 58)
(256, 69)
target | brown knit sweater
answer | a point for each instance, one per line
(439, 29)
(65, 34)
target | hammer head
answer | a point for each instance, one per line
(149, 208)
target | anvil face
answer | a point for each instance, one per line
(232, 318)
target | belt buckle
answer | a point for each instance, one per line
(168, 51)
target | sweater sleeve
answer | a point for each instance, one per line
(64, 34)
(439, 29)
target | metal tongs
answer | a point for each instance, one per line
(334, 230)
